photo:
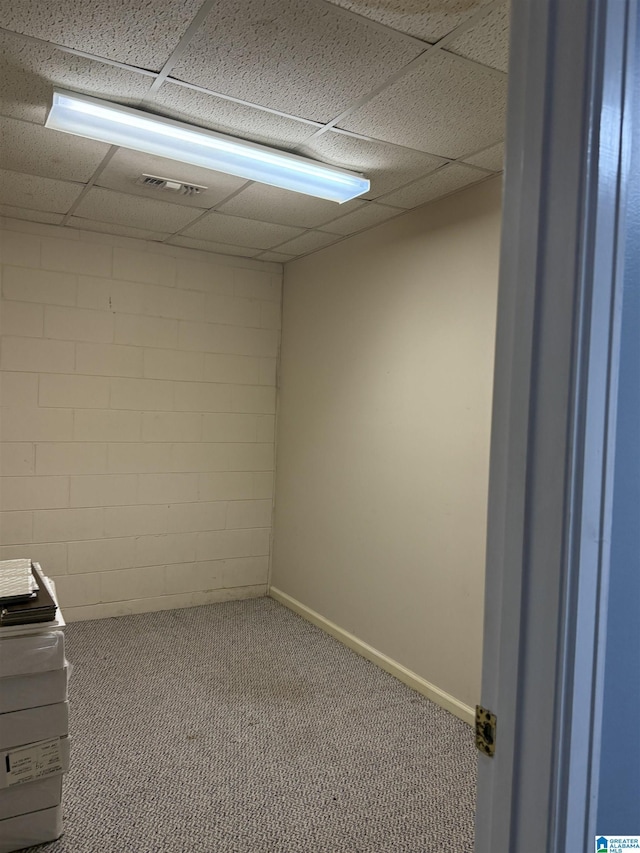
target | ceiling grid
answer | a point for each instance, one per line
(410, 93)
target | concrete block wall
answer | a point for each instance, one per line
(137, 421)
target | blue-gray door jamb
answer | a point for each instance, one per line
(552, 446)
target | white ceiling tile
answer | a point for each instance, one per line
(371, 214)
(225, 116)
(440, 183)
(31, 215)
(210, 246)
(29, 71)
(308, 242)
(238, 231)
(118, 230)
(386, 166)
(491, 158)
(302, 58)
(133, 31)
(446, 106)
(488, 41)
(108, 206)
(125, 167)
(425, 19)
(276, 257)
(38, 150)
(307, 59)
(36, 193)
(271, 204)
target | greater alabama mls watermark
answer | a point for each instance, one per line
(617, 843)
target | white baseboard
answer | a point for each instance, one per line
(420, 685)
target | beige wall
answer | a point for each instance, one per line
(137, 424)
(383, 435)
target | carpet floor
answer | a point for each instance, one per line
(241, 728)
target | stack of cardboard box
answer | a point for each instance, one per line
(34, 742)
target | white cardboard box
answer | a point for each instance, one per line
(31, 691)
(43, 794)
(30, 796)
(31, 829)
(33, 724)
(37, 653)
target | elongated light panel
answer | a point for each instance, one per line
(129, 128)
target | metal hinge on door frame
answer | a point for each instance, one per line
(485, 731)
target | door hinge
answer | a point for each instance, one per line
(485, 731)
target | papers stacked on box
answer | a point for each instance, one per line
(24, 595)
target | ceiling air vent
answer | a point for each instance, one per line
(170, 185)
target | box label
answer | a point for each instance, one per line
(33, 762)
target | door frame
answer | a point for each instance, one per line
(553, 430)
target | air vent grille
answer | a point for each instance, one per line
(172, 185)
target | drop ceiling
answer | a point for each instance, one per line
(411, 93)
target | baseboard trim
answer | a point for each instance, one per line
(406, 676)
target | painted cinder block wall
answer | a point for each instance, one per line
(137, 422)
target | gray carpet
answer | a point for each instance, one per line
(241, 728)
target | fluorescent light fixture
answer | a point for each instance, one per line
(129, 128)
